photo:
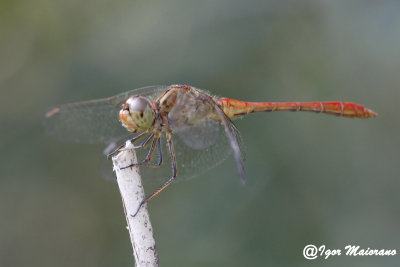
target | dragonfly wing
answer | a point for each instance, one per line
(94, 121)
(199, 148)
(206, 148)
(235, 140)
(200, 135)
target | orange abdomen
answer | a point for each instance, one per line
(235, 108)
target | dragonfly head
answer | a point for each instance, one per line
(137, 114)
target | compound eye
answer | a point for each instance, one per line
(138, 104)
(137, 114)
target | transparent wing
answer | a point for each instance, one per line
(202, 151)
(94, 121)
(198, 148)
(234, 138)
(199, 136)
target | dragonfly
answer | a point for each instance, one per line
(192, 126)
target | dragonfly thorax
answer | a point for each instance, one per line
(137, 114)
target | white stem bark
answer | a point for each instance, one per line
(132, 193)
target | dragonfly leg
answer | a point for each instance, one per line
(170, 180)
(143, 144)
(134, 139)
(149, 155)
(160, 159)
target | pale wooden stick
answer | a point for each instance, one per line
(132, 193)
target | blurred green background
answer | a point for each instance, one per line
(312, 178)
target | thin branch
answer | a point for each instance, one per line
(132, 193)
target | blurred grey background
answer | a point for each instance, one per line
(312, 178)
